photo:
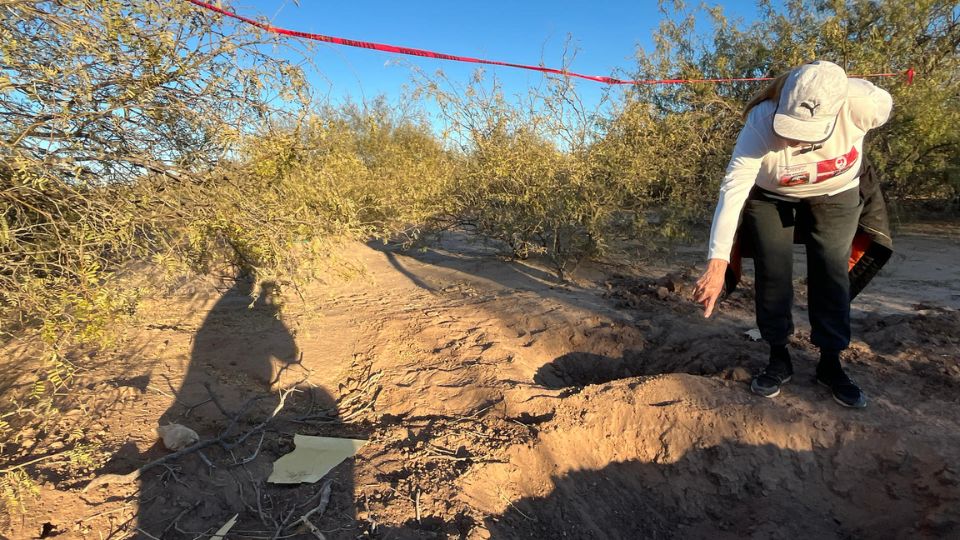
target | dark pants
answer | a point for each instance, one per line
(826, 224)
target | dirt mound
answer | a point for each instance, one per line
(930, 327)
(684, 456)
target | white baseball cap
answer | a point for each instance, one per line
(809, 103)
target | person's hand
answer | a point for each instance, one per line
(710, 285)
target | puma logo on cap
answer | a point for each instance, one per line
(812, 107)
(818, 88)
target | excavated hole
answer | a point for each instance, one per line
(666, 334)
(582, 368)
(732, 358)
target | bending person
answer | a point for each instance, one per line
(795, 166)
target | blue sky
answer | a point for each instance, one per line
(606, 34)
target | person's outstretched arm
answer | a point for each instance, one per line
(752, 145)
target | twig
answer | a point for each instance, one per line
(252, 456)
(310, 499)
(313, 530)
(161, 392)
(261, 425)
(189, 408)
(436, 452)
(145, 533)
(474, 417)
(234, 418)
(329, 415)
(243, 410)
(177, 519)
(216, 400)
(192, 407)
(106, 512)
(173, 474)
(32, 461)
(320, 508)
(221, 440)
(509, 502)
(206, 459)
(283, 524)
(256, 493)
(359, 391)
(135, 475)
(416, 502)
(356, 412)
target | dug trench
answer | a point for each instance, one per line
(498, 403)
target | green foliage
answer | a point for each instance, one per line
(109, 108)
(136, 131)
(373, 170)
(546, 175)
(525, 172)
(16, 488)
(115, 113)
(340, 172)
(917, 151)
(82, 456)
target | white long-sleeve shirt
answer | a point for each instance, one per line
(762, 158)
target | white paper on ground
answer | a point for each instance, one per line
(312, 458)
(754, 334)
(225, 529)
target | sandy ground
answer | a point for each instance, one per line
(500, 404)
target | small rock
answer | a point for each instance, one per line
(177, 437)
(663, 293)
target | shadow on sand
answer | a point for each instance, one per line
(242, 357)
(732, 491)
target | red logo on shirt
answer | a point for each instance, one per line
(832, 168)
(795, 179)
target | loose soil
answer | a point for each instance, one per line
(499, 403)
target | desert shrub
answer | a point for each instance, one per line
(667, 163)
(398, 175)
(115, 116)
(356, 171)
(525, 174)
(111, 110)
(133, 130)
(917, 151)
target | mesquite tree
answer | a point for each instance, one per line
(105, 105)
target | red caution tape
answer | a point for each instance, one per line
(441, 56)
